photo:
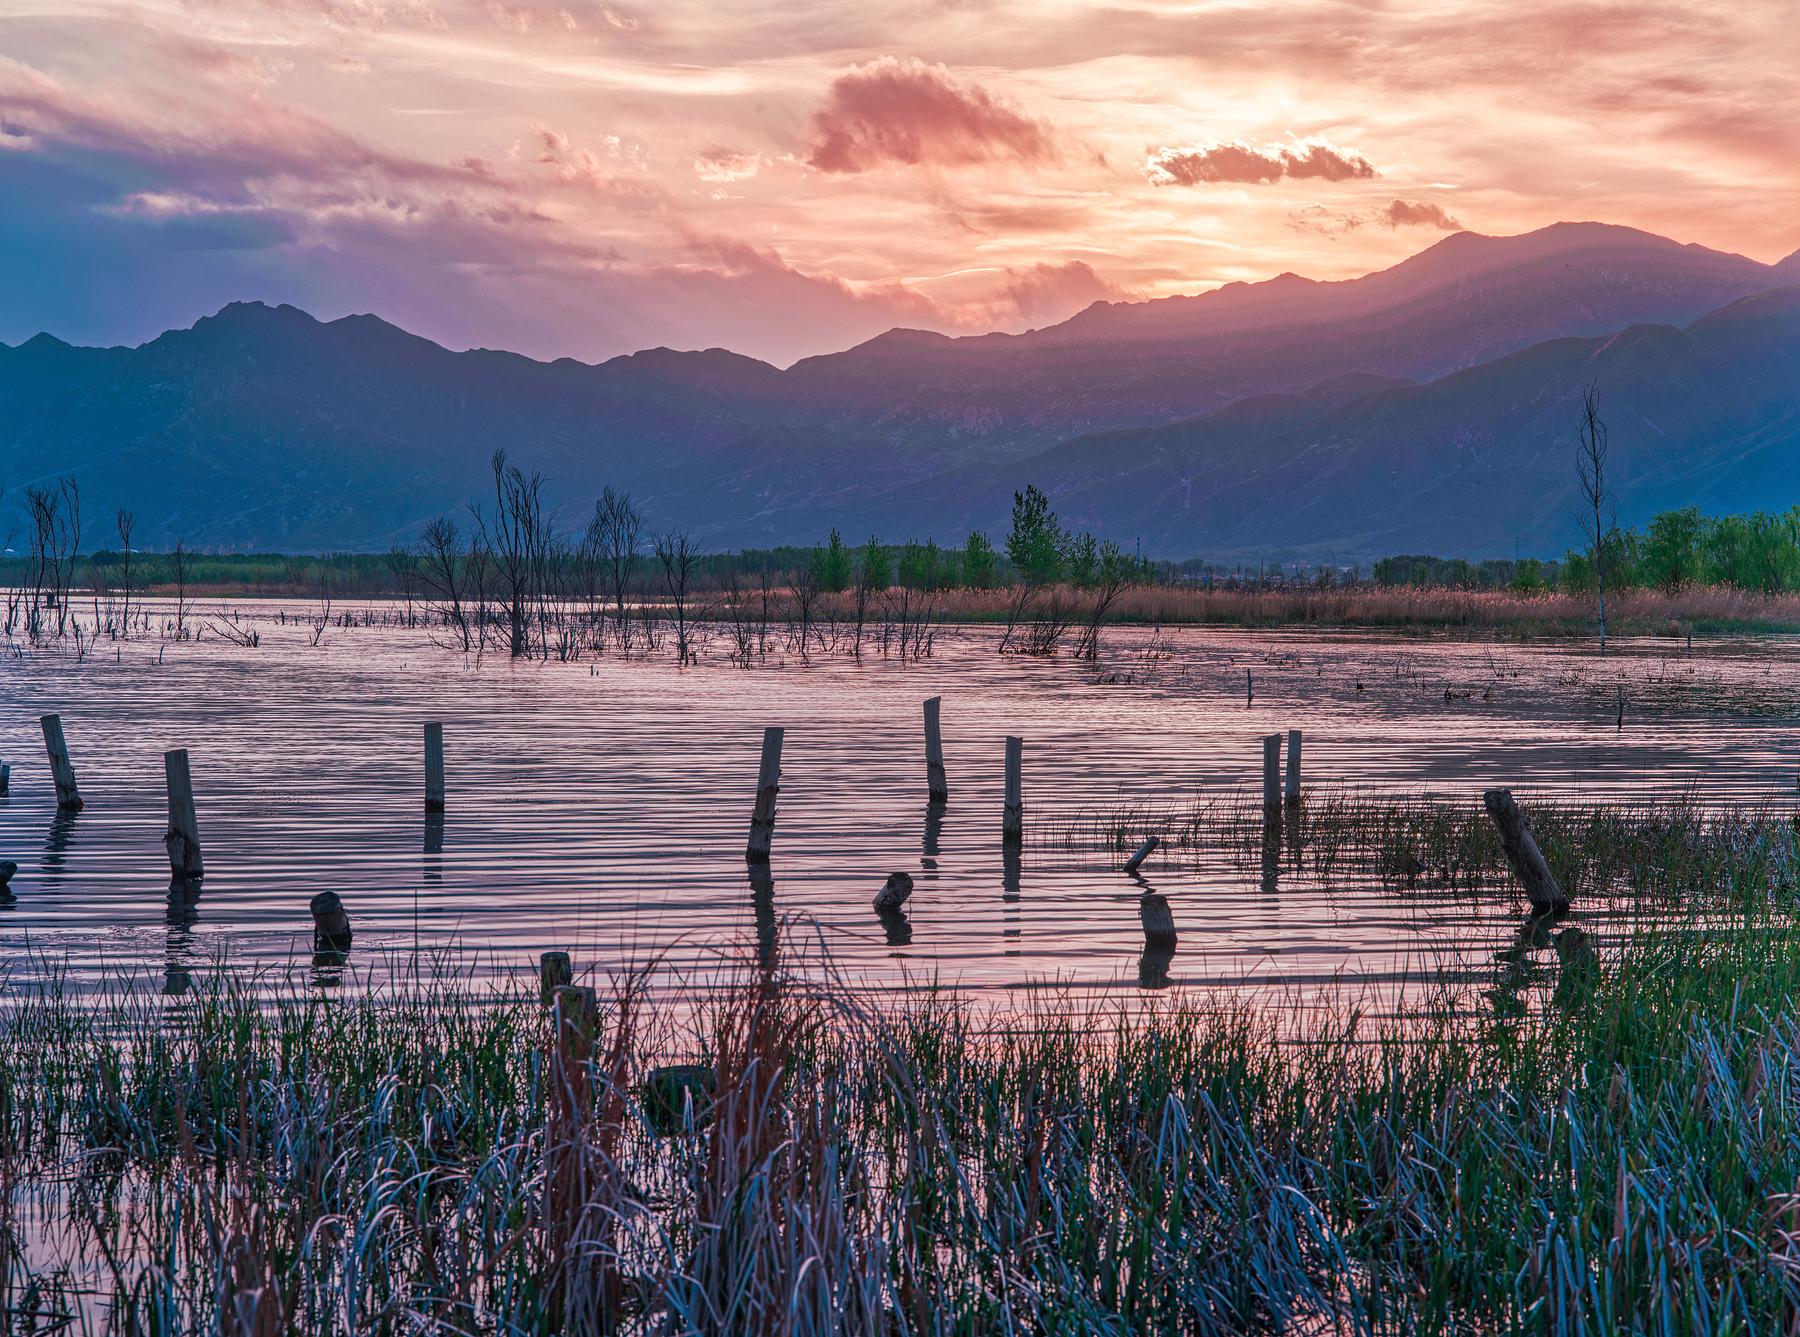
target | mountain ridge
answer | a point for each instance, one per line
(264, 426)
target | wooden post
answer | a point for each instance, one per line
(1293, 766)
(1012, 829)
(554, 971)
(577, 1017)
(62, 770)
(1541, 886)
(1271, 776)
(1156, 917)
(182, 839)
(1621, 723)
(434, 767)
(331, 924)
(936, 790)
(5, 778)
(768, 786)
(1249, 688)
(1144, 851)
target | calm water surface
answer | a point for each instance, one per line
(602, 806)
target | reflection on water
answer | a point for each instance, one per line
(602, 807)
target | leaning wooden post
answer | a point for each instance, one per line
(768, 786)
(1012, 829)
(1271, 777)
(1541, 886)
(936, 790)
(183, 836)
(1293, 766)
(1144, 851)
(554, 971)
(434, 767)
(62, 770)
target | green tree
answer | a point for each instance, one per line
(831, 567)
(1674, 549)
(872, 569)
(1082, 559)
(920, 566)
(1035, 545)
(978, 562)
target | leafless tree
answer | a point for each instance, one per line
(125, 521)
(618, 526)
(517, 536)
(180, 567)
(403, 565)
(443, 571)
(1598, 511)
(677, 555)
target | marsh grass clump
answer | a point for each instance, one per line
(1652, 851)
(1618, 1153)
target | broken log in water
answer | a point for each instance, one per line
(62, 769)
(1144, 851)
(768, 787)
(331, 923)
(1541, 886)
(893, 895)
(182, 839)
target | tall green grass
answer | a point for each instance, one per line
(1621, 1153)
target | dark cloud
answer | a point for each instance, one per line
(907, 112)
(1240, 164)
(1416, 213)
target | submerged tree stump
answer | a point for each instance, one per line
(893, 895)
(1541, 886)
(331, 924)
(554, 971)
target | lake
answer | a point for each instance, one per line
(601, 806)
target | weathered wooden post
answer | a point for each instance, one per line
(5, 778)
(1156, 917)
(434, 767)
(1292, 793)
(936, 789)
(182, 839)
(1144, 851)
(1621, 723)
(768, 787)
(1249, 688)
(1541, 886)
(1271, 778)
(331, 924)
(62, 770)
(1012, 828)
(554, 971)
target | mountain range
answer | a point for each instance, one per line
(1426, 407)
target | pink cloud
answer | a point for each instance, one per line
(907, 112)
(1415, 213)
(1240, 164)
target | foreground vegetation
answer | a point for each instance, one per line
(1620, 1153)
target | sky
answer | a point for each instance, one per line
(583, 178)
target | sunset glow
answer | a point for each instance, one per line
(585, 178)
